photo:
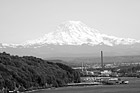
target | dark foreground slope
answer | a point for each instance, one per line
(28, 71)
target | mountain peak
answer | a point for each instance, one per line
(74, 26)
(77, 33)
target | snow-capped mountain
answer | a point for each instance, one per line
(77, 33)
(73, 37)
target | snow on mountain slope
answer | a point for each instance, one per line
(75, 33)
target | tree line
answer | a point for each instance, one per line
(130, 71)
(31, 72)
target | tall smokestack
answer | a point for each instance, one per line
(82, 67)
(102, 65)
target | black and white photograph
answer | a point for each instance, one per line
(69, 46)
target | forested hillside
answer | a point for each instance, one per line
(30, 72)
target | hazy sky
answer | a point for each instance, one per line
(22, 20)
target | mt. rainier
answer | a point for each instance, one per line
(74, 38)
(77, 33)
